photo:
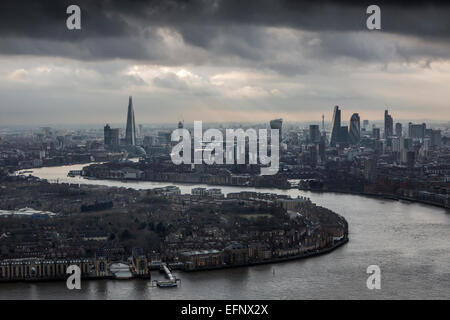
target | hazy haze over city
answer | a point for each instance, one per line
(221, 61)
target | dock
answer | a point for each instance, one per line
(171, 282)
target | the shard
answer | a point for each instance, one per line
(130, 133)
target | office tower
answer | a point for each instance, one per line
(130, 133)
(314, 133)
(277, 124)
(343, 135)
(107, 135)
(398, 129)
(354, 132)
(335, 127)
(365, 124)
(180, 125)
(111, 136)
(322, 149)
(323, 124)
(115, 139)
(376, 133)
(274, 124)
(436, 138)
(416, 131)
(388, 125)
(313, 156)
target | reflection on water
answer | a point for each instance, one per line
(410, 242)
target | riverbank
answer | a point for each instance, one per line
(249, 264)
(276, 260)
(364, 194)
(385, 196)
(414, 260)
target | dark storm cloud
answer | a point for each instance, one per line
(114, 17)
(227, 31)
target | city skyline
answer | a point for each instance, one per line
(326, 118)
(237, 152)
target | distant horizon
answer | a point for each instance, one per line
(97, 125)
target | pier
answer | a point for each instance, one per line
(171, 282)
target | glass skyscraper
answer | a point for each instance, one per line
(130, 133)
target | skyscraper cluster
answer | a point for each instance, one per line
(343, 134)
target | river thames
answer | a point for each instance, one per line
(410, 242)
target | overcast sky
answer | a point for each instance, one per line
(222, 61)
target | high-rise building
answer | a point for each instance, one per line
(335, 127)
(130, 133)
(111, 136)
(416, 131)
(436, 138)
(388, 125)
(314, 133)
(313, 155)
(398, 129)
(354, 131)
(365, 124)
(323, 124)
(322, 149)
(274, 124)
(343, 135)
(277, 124)
(376, 133)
